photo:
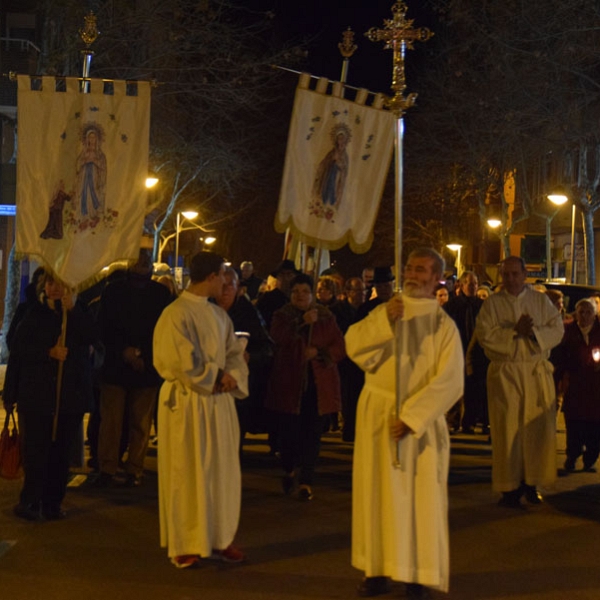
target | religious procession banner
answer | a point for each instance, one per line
(82, 163)
(337, 160)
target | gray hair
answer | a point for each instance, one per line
(589, 301)
(231, 271)
(439, 264)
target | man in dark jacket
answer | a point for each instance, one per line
(383, 282)
(273, 300)
(129, 310)
(464, 309)
(259, 353)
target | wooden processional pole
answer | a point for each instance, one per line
(398, 35)
(88, 34)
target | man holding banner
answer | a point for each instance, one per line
(400, 505)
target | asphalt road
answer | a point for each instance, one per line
(108, 546)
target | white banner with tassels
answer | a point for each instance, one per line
(82, 163)
(337, 159)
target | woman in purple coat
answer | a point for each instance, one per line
(305, 385)
(579, 372)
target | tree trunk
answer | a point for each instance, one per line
(588, 240)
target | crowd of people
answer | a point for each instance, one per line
(234, 353)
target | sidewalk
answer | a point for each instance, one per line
(108, 548)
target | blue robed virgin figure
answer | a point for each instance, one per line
(332, 171)
(91, 171)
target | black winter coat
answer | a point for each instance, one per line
(31, 375)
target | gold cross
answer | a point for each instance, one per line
(399, 34)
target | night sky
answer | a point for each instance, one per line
(320, 23)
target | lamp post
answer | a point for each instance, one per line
(456, 248)
(187, 214)
(559, 198)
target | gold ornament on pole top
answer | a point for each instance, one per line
(347, 47)
(90, 32)
(398, 35)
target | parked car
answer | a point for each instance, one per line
(572, 292)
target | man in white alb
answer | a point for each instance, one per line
(202, 363)
(517, 327)
(400, 508)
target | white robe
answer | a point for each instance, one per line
(521, 395)
(199, 480)
(400, 515)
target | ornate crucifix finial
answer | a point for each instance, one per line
(399, 34)
(347, 47)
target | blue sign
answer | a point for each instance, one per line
(8, 210)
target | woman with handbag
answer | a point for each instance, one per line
(49, 380)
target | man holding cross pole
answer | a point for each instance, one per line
(401, 454)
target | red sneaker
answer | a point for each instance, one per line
(231, 554)
(185, 560)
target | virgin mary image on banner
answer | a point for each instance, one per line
(91, 171)
(332, 171)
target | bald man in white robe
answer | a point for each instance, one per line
(517, 327)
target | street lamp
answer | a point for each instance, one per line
(207, 241)
(151, 180)
(456, 248)
(559, 197)
(187, 214)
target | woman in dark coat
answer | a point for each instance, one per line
(304, 386)
(578, 366)
(31, 384)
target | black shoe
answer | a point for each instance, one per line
(466, 431)
(305, 493)
(532, 495)
(288, 484)
(511, 499)
(589, 468)
(133, 480)
(53, 513)
(104, 480)
(374, 586)
(29, 512)
(417, 591)
(569, 464)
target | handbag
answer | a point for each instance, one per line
(10, 449)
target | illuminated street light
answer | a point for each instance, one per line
(210, 240)
(151, 180)
(187, 214)
(494, 223)
(456, 248)
(559, 197)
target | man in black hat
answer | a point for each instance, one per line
(383, 281)
(273, 300)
